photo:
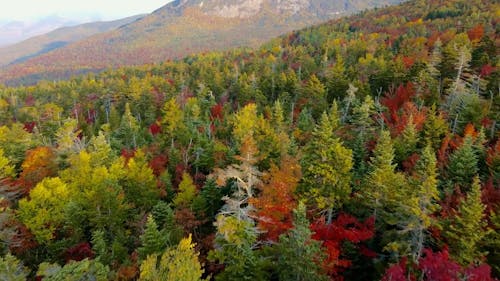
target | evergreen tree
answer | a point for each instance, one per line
(422, 202)
(463, 165)
(435, 128)
(326, 168)
(384, 187)
(152, 240)
(74, 271)
(299, 256)
(100, 248)
(314, 93)
(406, 143)
(467, 228)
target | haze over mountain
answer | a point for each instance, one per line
(58, 38)
(15, 31)
(180, 28)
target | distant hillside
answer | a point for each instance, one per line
(56, 39)
(12, 32)
(180, 28)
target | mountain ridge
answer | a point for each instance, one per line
(181, 28)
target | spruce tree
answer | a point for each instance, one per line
(326, 168)
(152, 240)
(422, 203)
(299, 256)
(463, 165)
(384, 187)
(467, 228)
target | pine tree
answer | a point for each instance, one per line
(406, 143)
(327, 168)
(384, 186)
(463, 165)
(152, 240)
(468, 227)
(435, 128)
(422, 202)
(314, 93)
(100, 248)
(299, 256)
(363, 128)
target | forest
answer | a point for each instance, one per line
(364, 148)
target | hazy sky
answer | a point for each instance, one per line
(105, 9)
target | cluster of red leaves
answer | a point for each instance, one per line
(155, 128)
(436, 267)
(158, 164)
(79, 252)
(127, 154)
(29, 126)
(400, 108)
(490, 196)
(344, 228)
(217, 112)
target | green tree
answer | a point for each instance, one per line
(128, 134)
(299, 256)
(153, 241)
(422, 202)
(11, 269)
(406, 143)
(384, 186)
(326, 167)
(15, 141)
(74, 271)
(463, 165)
(435, 128)
(100, 247)
(468, 227)
(314, 93)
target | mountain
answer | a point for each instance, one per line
(56, 39)
(12, 32)
(180, 28)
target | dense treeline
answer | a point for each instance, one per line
(363, 149)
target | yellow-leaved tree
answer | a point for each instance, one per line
(44, 212)
(180, 263)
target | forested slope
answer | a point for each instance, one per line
(366, 148)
